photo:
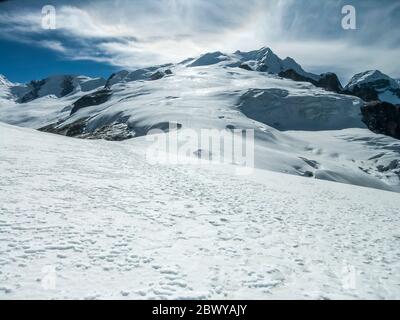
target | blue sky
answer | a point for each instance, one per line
(96, 38)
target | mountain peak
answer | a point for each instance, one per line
(4, 81)
(372, 77)
(265, 50)
(209, 59)
(374, 85)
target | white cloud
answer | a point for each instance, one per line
(53, 45)
(136, 33)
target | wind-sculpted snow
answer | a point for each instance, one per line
(93, 219)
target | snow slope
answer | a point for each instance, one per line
(93, 219)
(217, 97)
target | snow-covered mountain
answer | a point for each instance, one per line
(151, 73)
(263, 60)
(216, 91)
(60, 86)
(55, 86)
(374, 85)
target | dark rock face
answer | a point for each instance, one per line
(293, 75)
(117, 129)
(72, 130)
(160, 74)
(366, 93)
(92, 99)
(382, 117)
(67, 86)
(108, 81)
(328, 81)
(113, 132)
(245, 66)
(34, 93)
(157, 75)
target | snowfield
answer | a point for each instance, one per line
(94, 219)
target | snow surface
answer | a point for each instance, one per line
(111, 225)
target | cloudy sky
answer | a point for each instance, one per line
(99, 37)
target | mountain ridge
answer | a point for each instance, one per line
(87, 93)
(261, 60)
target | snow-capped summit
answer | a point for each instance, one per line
(374, 85)
(210, 58)
(266, 60)
(150, 73)
(263, 60)
(374, 77)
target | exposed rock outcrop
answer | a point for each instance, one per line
(245, 66)
(366, 93)
(382, 117)
(328, 81)
(67, 86)
(33, 94)
(160, 74)
(92, 99)
(113, 132)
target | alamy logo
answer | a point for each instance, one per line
(204, 146)
(49, 17)
(349, 21)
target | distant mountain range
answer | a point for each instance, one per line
(380, 92)
(304, 124)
